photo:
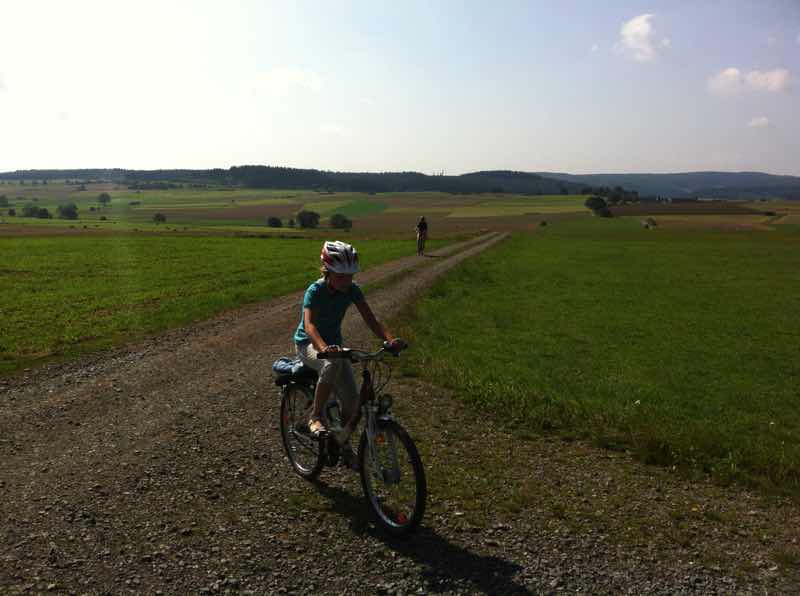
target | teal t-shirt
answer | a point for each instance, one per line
(329, 307)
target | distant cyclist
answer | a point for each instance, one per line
(320, 330)
(422, 235)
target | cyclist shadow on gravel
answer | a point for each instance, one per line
(446, 565)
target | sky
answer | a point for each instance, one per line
(574, 86)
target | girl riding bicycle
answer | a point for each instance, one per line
(320, 330)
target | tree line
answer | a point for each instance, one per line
(252, 176)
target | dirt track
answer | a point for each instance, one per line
(158, 469)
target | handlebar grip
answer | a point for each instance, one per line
(402, 345)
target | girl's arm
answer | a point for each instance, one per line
(311, 330)
(373, 323)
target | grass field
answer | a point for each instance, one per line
(679, 345)
(65, 295)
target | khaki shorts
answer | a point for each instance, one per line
(337, 372)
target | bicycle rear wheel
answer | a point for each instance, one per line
(393, 478)
(304, 452)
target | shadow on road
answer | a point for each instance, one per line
(447, 565)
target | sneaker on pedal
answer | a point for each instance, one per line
(317, 428)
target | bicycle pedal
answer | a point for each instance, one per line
(302, 428)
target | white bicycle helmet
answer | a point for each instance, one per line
(339, 257)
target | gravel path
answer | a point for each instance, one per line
(158, 469)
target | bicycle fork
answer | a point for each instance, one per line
(390, 473)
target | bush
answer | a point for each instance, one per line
(30, 210)
(604, 212)
(274, 222)
(104, 198)
(291, 223)
(340, 222)
(159, 218)
(12, 212)
(68, 211)
(308, 219)
(3, 201)
(595, 203)
(103, 218)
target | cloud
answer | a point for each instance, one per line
(595, 48)
(759, 122)
(2, 83)
(772, 80)
(797, 39)
(284, 79)
(732, 80)
(638, 39)
(727, 82)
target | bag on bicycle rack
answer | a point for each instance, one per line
(287, 366)
(288, 370)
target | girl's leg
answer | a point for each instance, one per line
(328, 372)
(321, 395)
(349, 400)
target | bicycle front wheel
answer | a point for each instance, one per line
(393, 478)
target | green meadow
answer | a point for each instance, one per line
(65, 295)
(679, 346)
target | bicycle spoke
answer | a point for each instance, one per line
(394, 481)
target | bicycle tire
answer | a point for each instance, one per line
(394, 522)
(294, 401)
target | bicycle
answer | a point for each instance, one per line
(391, 470)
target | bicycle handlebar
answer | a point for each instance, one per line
(362, 356)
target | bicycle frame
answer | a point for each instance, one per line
(369, 405)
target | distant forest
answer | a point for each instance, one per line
(730, 185)
(291, 178)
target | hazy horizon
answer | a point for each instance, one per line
(629, 88)
(383, 171)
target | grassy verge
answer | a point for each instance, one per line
(679, 346)
(66, 295)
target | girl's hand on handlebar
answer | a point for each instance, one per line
(396, 345)
(331, 348)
